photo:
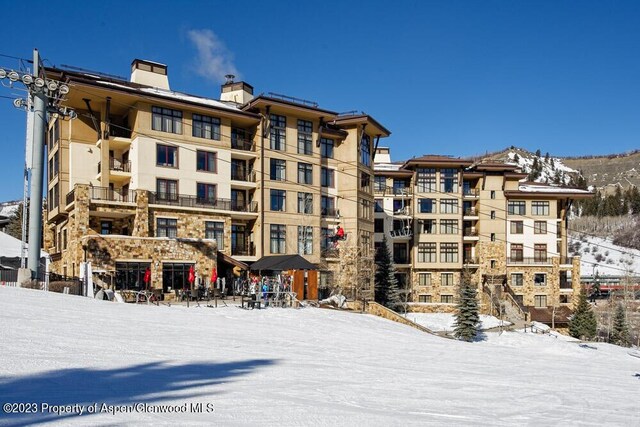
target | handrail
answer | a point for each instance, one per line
(200, 202)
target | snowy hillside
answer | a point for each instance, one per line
(9, 209)
(551, 169)
(293, 367)
(602, 256)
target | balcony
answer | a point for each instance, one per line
(243, 250)
(399, 259)
(242, 144)
(116, 165)
(470, 193)
(471, 212)
(241, 175)
(529, 260)
(330, 253)
(110, 195)
(71, 197)
(186, 201)
(330, 212)
(393, 191)
(470, 233)
(468, 260)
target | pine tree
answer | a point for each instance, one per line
(467, 322)
(14, 226)
(538, 153)
(386, 284)
(546, 157)
(516, 158)
(620, 333)
(583, 323)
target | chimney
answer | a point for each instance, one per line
(238, 92)
(149, 73)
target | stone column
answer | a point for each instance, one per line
(141, 221)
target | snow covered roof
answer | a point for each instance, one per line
(541, 188)
(10, 247)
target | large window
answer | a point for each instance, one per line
(540, 252)
(517, 207)
(167, 156)
(326, 147)
(167, 227)
(215, 230)
(427, 205)
(517, 252)
(241, 139)
(278, 238)
(540, 279)
(449, 181)
(175, 276)
(305, 240)
(305, 129)
(327, 206)
(166, 120)
(447, 279)
(206, 161)
(539, 208)
(517, 279)
(278, 170)
(540, 227)
(130, 275)
(379, 183)
(327, 177)
(424, 279)
(448, 206)
(424, 298)
(517, 227)
(305, 173)
(305, 203)
(427, 226)
(448, 252)
(365, 211)
(278, 134)
(426, 180)
(449, 226)
(540, 300)
(206, 193)
(426, 252)
(206, 127)
(166, 189)
(365, 182)
(365, 150)
(278, 200)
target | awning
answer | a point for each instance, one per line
(282, 262)
(229, 260)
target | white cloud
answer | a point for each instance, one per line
(214, 60)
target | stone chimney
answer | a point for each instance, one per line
(149, 73)
(238, 92)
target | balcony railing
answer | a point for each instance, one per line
(71, 196)
(331, 212)
(239, 175)
(471, 260)
(565, 284)
(470, 232)
(242, 144)
(470, 192)
(330, 253)
(396, 191)
(247, 250)
(119, 166)
(528, 260)
(471, 212)
(199, 202)
(111, 195)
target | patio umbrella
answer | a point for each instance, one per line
(192, 275)
(214, 276)
(147, 278)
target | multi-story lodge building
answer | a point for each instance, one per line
(448, 220)
(149, 178)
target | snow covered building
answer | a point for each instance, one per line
(147, 177)
(450, 218)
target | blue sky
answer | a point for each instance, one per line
(447, 77)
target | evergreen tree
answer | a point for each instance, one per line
(546, 157)
(583, 323)
(516, 158)
(14, 226)
(538, 153)
(620, 333)
(467, 322)
(386, 284)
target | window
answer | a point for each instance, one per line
(378, 225)
(206, 161)
(424, 279)
(426, 252)
(493, 194)
(278, 200)
(130, 275)
(278, 134)
(365, 182)
(305, 129)
(400, 254)
(305, 240)
(278, 238)
(540, 208)
(426, 180)
(327, 177)
(206, 127)
(278, 170)
(53, 197)
(215, 230)
(540, 227)
(206, 193)
(428, 226)
(175, 276)
(379, 183)
(325, 239)
(167, 156)
(540, 252)
(400, 207)
(448, 206)
(517, 279)
(424, 298)
(493, 237)
(446, 279)
(493, 214)
(517, 208)
(365, 150)
(446, 299)
(449, 226)
(448, 252)
(54, 165)
(326, 147)
(365, 209)
(166, 120)
(540, 279)
(493, 263)
(517, 227)
(305, 173)
(540, 300)
(449, 181)
(378, 205)
(106, 227)
(305, 203)
(327, 206)
(427, 205)
(516, 253)
(167, 189)
(167, 227)
(239, 170)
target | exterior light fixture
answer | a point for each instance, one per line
(39, 82)
(27, 79)
(64, 89)
(18, 103)
(52, 85)
(13, 76)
